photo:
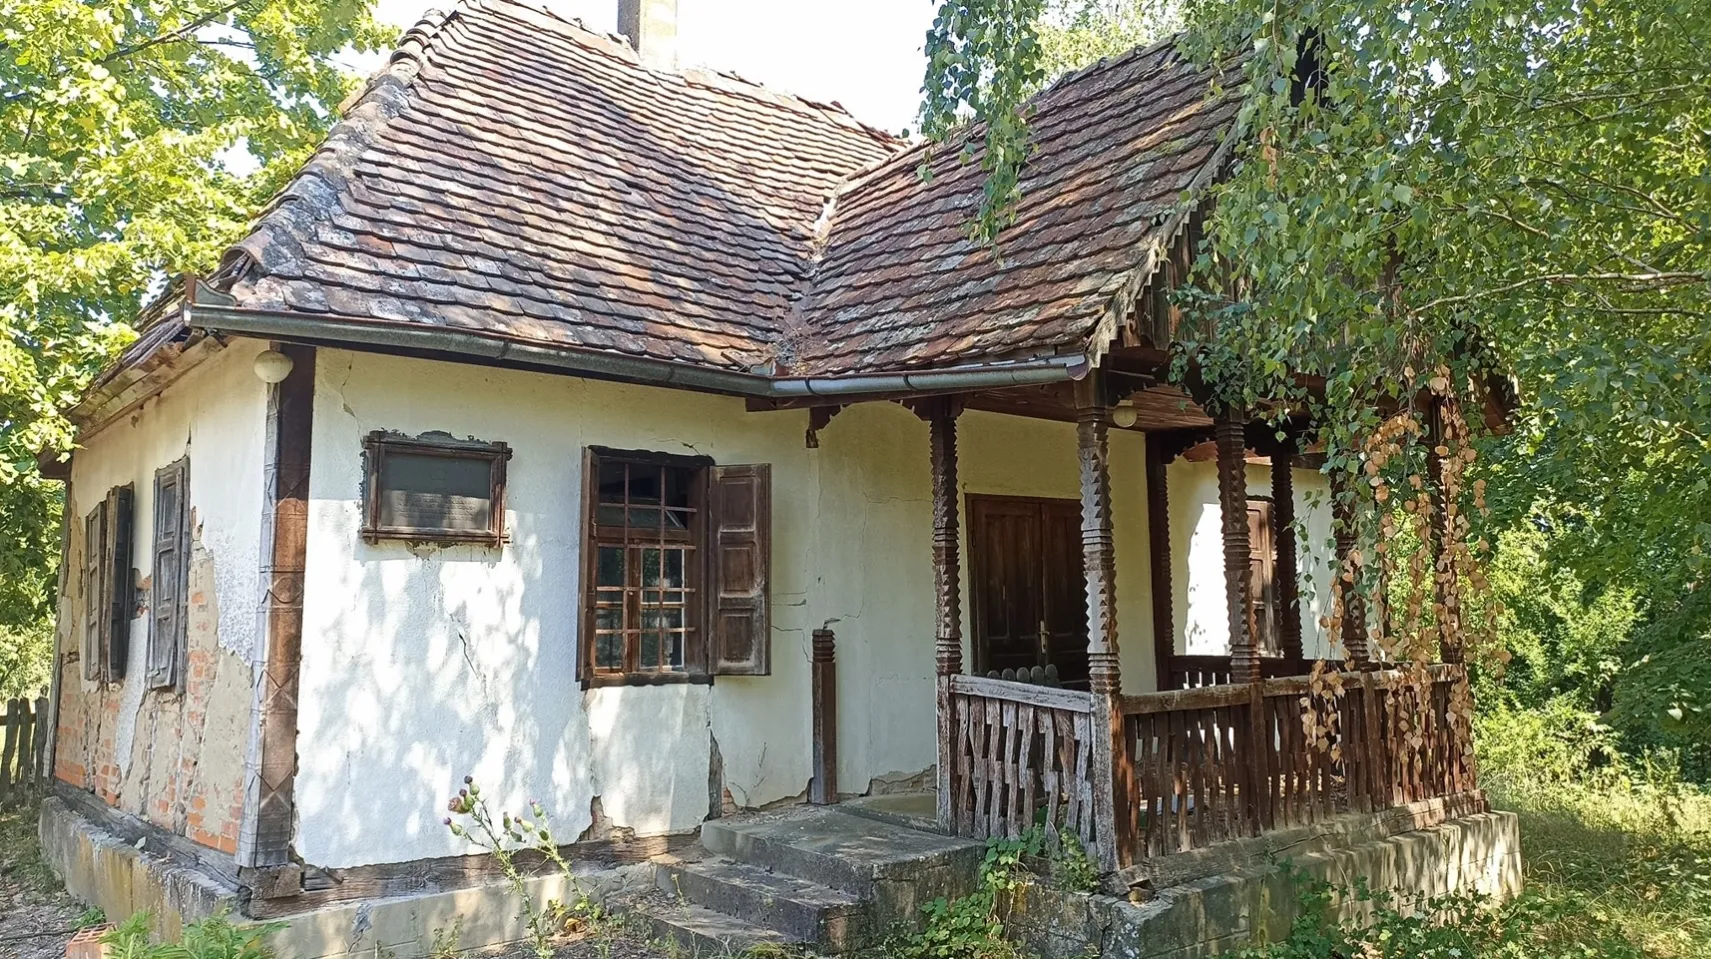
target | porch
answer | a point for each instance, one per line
(1228, 747)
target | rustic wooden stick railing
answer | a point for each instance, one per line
(1193, 672)
(1023, 756)
(1223, 762)
(23, 745)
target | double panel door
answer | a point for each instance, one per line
(1028, 594)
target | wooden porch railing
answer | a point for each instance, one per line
(1197, 766)
(1195, 672)
(1224, 762)
(1022, 755)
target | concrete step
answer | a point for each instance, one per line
(831, 920)
(899, 869)
(915, 810)
(704, 933)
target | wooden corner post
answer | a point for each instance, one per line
(1159, 560)
(947, 602)
(1354, 603)
(1111, 773)
(265, 838)
(1446, 599)
(1230, 436)
(1283, 516)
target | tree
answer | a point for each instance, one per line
(136, 136)
(1447, 187)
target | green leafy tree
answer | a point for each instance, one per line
(136, 137)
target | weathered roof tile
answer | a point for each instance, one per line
(513, 173)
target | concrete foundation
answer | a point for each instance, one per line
(1255, 903)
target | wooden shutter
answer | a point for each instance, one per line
(95, 617)
(121, 599)
(741, 639)
(167, 596)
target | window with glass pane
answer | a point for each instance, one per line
(434, 489)
(646, 537)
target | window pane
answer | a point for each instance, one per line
(424, 491)
(610, 569)
(650, 658)
(609, 651)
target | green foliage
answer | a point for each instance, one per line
(215, 937)
(985, 55)
(135, 139)
(1549, 743)
(1075, 33)
(504, 838)
(970, 927)
(1337, 923)
(25, 652)
(1622, 854)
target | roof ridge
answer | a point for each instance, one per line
(319, 182)
(618, 46)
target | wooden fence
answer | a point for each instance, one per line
(1022, 755)
(23, 745)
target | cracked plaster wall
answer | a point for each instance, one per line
(422, 664)
(174, 758)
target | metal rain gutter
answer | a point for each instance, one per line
(287, 325)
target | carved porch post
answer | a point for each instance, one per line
(1354, 603)
(1229, 434)
(1158, 541)
(1446, 596)
(1284, 576)
(1112, 776)
(947, 600)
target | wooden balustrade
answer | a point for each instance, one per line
(1022, 755)
(1194, 672)
(1223, 762)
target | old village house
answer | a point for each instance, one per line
(655, 445)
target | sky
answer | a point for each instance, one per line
(865, 54)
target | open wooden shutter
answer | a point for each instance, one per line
(742, 568)
(95, 619)
(120, 590)
(167, 596)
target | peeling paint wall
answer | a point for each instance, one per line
(423, 664)
(173, 758)
(1197, 546)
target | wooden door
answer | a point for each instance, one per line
(1027, 589)
(1262, 601)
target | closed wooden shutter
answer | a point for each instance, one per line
(741, 639)
(167, 596)
(121, 599)
(95, 617)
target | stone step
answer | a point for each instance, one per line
(856, 854)
(704, 932)
(832, 920)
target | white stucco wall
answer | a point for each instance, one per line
(1196, 542)
(153, 752)
(421, 665)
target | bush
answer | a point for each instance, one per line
(215, 937)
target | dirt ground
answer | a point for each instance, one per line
(36, 915)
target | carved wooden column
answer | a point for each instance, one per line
(1284, 573)
(1238, 576)
(1158, 542)
(1112, 775)
(1354, 603)
(947, 584)
(1446, 595)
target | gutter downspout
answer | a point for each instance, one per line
(334, 330)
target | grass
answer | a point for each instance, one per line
(1615, 855)
(20, 851)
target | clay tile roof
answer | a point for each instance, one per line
(1117, 146)
(514, 174)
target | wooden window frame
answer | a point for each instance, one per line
(165, 665)
(697, 616)
(378, 444)
(108, 579)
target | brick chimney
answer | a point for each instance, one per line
(651, 26)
